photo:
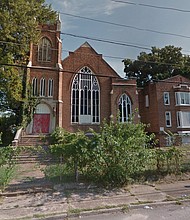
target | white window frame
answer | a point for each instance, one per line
(183, 119)
(42, 87)
(44, 50)
(85, 98)
(35, 86)
(166, 98)
(125, 108)
(168, 118)
(182, 98)
(50, 87)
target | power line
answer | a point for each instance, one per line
(121, 43)
(100, 75)
(55, 69)
(105, 41)
(152, 6)
(127, 26)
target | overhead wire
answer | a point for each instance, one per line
(100, 75)
(105, 41)
(127, 26)
(107, 56)
(152, 6)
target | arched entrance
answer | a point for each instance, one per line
(41, 121)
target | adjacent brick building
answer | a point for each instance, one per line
(165, 106)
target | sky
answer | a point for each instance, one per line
(132, 26)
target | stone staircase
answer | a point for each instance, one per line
(34, 156)
(34, 140)
(35, 149)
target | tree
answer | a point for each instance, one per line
(159, 64)
(19, 20)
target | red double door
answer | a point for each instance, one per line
(41, 123)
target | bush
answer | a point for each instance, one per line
(119, 153)
(168, 159)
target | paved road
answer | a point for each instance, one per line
(169, 212)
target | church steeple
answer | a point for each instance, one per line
(58, 22)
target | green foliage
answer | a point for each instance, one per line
(7, 155)
(7, 165)
(113, 156)
(19, 22)
(168, 159)
(118, 153)
(70, 148)
(6, 175)
(160, 63)
(59, 173)
(7, 128)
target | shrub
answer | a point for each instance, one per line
(118, 153)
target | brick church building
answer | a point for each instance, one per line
(82, 90)
(78, 92)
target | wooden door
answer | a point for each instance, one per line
(41, 123)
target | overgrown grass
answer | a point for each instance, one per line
(168, 161)
(59, 173)
(7, 173)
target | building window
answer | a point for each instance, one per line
(182, 98)
(168, 119)
(35, 86)
(146, 101)
(183, 119)
(85, 98)
(124, 108)
(42, 87)
(166, 98)
(44, 50)
(50, 87)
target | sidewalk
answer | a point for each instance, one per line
(39, 198)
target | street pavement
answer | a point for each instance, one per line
(48, 201)
(169, 212)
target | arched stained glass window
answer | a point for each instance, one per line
(50, 87)
(85, 98)
(124, 108)
(44, 50)
(35, 86)
(42, 87)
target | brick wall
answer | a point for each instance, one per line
(110, 86)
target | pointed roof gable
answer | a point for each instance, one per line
(87, 49)
(87, 45)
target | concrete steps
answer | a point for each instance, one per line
(34, 140)
(38, 155)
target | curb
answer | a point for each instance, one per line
(122, 208)
(111, 210)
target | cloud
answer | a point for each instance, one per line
(85, 7)
(111, 6)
